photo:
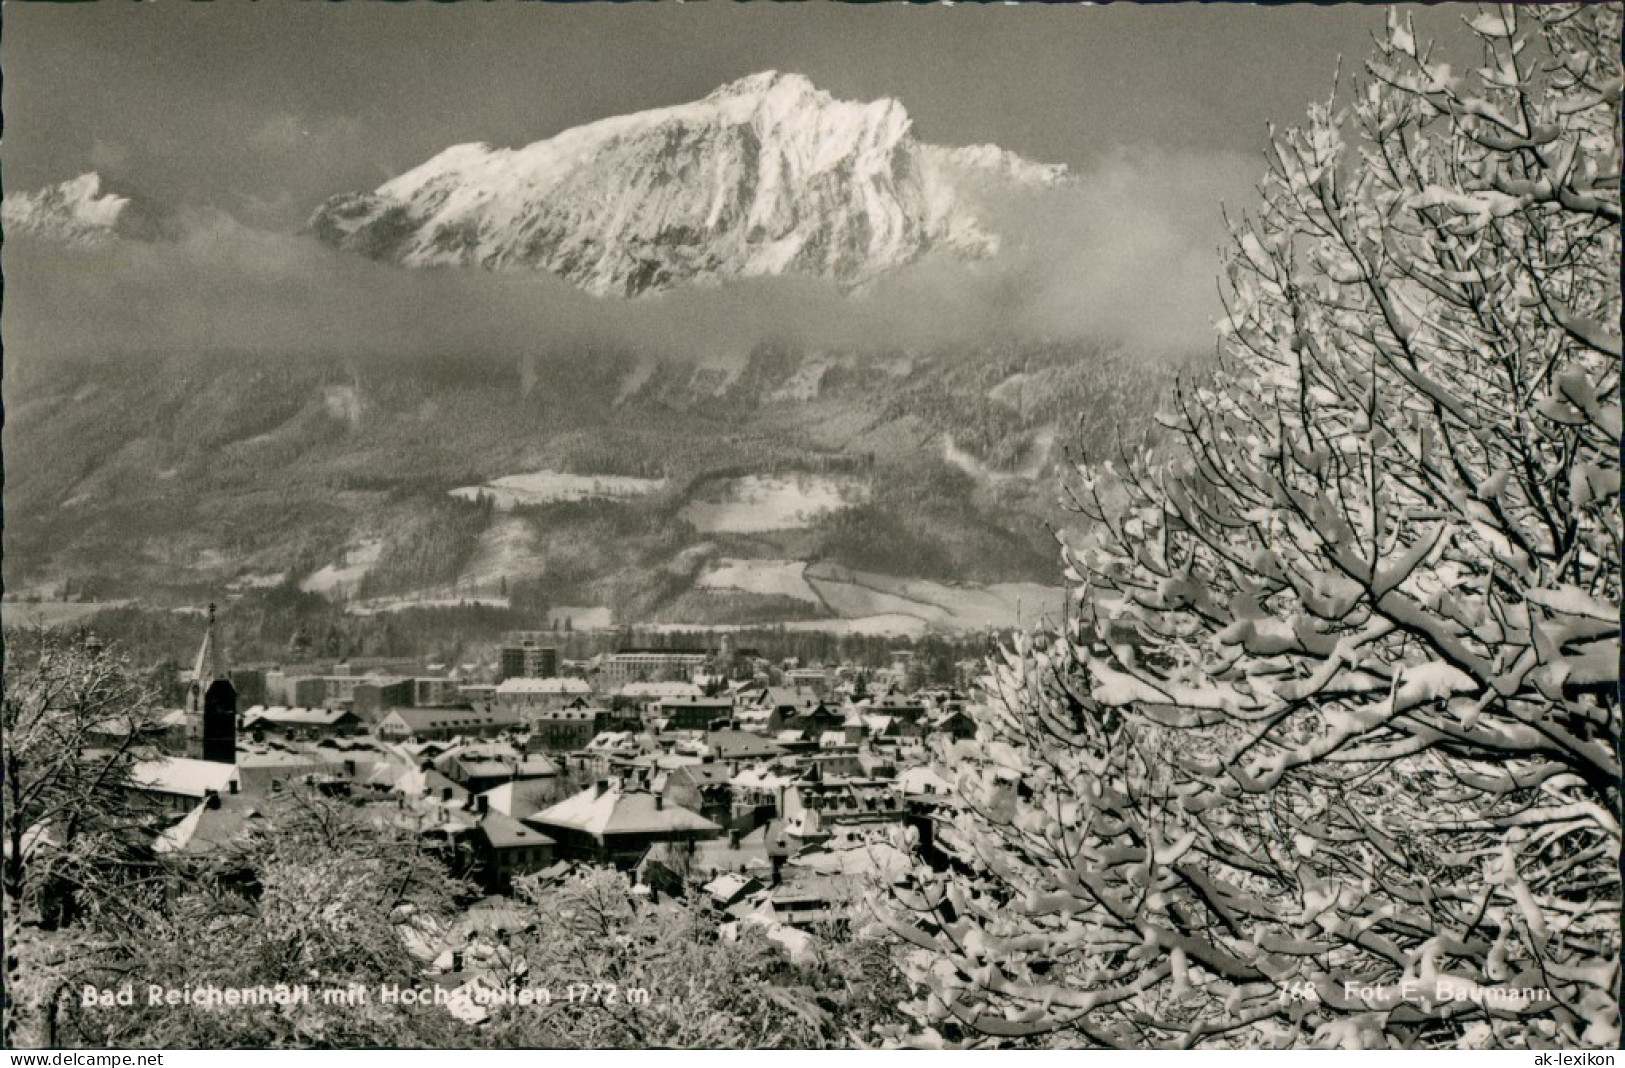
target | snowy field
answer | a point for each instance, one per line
(442, 598)
(335, 578)
(869, 603)
(882, 625)
(505, 550)
(770, 578)
(859, 595)
(549, 487)
(263, 581)
(1034, 461)
(759, 503)
(581, 616)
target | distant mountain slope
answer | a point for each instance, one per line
(168, 476)
(765, 176)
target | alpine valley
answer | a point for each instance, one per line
(866, 483)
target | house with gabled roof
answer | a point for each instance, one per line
(215, 823)
(311, 723)
(702, 788)
(608, 823)
(527, 695)
(181, 782)
(955, 723)
(506, 848)
(420, 724)
(732, 745)
(694, 713)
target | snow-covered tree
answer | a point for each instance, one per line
(705, 988)
(315, 892)
(1330, 753)
(68, 720)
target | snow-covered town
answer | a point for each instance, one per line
(778, 805)
(811, 526)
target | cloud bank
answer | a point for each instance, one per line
(1126, 254)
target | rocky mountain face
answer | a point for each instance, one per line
(765, 176)
(82, 211)
(167, 475)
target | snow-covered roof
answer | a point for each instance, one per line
(617, 811)
(740, 745)
(313, 717)
(697, 700)
(418, 719)
(762, 778)
(184, 776)
(204, 827)
(505, 832)
(544, 686)
(659, 689)
(724, 887)
(612, 741)
(922, 779)
(518, 799)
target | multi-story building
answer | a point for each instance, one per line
(371, 698)
(524, 657)
(530, 696)
(694, 713)
(566, 730)
(308, 691)
(649, 665)
(435, 692)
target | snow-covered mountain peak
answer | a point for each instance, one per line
(766, 175)
(80, 211)
(768, 83)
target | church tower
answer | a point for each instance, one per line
(214, 696)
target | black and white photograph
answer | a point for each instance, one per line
(864, 526)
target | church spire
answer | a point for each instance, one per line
(217, 697)
(209, 664)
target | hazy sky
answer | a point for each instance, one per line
(271, 107)
(264, 110)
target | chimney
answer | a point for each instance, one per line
(349, 768)
(445, 793)
(211, 799)
(778, 867)
(456, 960)
(482, 804)
(733, 838)
(660, 802)
(234, 785)
(601, 787)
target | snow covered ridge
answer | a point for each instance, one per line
(79, 211)
(765, 176)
